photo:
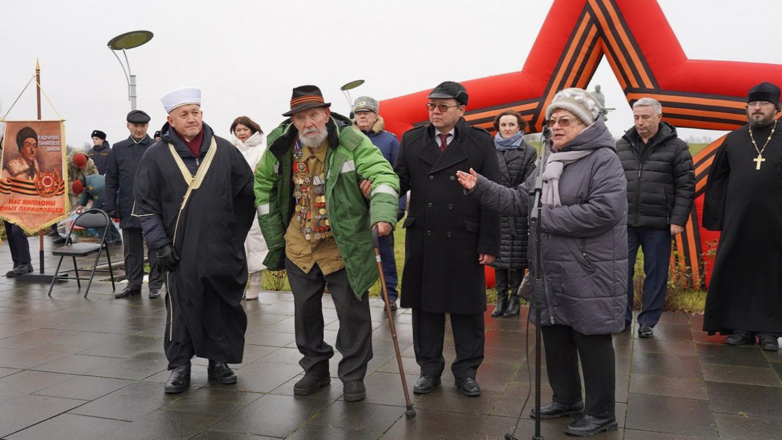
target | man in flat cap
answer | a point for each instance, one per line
(450, 238)
(120, 175)
(371, 124)
(100, 150)
(742, 200)
(317, 225)
(194, 200)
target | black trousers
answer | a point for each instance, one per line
(564, 346)
(428, 336)
(17, 241)
(133, 246)
(354, 338)
(508, 280)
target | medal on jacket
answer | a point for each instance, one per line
(310, 201)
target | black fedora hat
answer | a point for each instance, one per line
(305, 98)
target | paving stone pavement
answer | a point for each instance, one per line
(76, 368)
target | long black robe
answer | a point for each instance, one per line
(205, 290)
(745, 292)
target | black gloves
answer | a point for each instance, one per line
(113, 213)
(167, 258)
(400, 214)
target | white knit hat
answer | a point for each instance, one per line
(181, 96)
(577, 101)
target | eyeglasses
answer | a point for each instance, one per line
(563, 122)
(442, 107)
(759, 104)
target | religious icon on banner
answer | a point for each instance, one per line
(32, 187)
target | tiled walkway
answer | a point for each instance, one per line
(75, 368)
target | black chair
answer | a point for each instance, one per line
(94, 218)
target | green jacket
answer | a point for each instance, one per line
(351, 157)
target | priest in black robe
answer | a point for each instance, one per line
(744, 201)
(194, 198)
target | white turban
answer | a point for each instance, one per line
(181, 96)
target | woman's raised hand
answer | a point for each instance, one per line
(468, 181)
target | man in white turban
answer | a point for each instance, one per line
(194, 199)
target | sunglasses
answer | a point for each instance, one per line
(442, 107)
(563, 122)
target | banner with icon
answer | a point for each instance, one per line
(32, 187)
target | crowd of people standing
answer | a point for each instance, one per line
(215, 214)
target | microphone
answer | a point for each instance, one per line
(547, 133)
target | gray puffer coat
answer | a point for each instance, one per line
(584, 241)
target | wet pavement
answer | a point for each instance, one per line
(94, 368)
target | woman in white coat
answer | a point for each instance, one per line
(251, 142)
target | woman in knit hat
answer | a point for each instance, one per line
(584, 257)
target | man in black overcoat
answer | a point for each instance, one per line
(120, 174)
(450, 238)
(194, 199)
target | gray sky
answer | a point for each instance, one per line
(246, 56)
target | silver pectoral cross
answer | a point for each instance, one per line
(758, 160)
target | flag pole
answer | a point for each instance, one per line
(38, 103)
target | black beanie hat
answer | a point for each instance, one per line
(764, 91)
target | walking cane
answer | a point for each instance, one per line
(410, 413)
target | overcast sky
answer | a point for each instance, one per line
(246, 55)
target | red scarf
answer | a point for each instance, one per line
(195, 144)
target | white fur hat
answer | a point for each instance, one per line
(181, 96)
(577, 101)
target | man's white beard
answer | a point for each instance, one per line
(314, 140)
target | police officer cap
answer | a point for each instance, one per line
(450, 89)
(138, 117)
(98, 134)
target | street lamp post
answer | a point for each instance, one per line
(125, 41)
(346, 91)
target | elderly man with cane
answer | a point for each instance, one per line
(317, 226)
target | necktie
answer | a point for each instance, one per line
(443, 141)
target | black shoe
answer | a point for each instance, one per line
(355, 391)
(317, 378)
(425, 384)
(644, 331)
(53, 233)
(19, 270)
(221, 372)
(23, 269)
(128, 291)
(586, 425)
(393, 306)
(154, 293)
(740, 337)
(59, 240)
(502, 305)
(513, 306)
(179, 380)
(554, 410)
(468, 386)
(769, 343)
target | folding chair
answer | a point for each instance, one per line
(94, 218)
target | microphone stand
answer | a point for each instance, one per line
(537, 297)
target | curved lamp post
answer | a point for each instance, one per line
(125, 41)
(346, 91)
